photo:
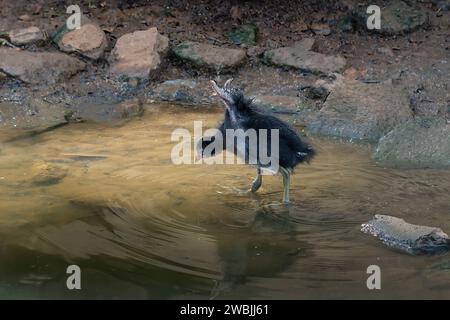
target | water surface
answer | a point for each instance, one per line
(141, 227)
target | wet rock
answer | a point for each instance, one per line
(38, 67)
(182, 91)
(44, 173)
(108, 112)
(245, 34)
(301, 57)
(413, 239)
(25, 36)
(35, 115)
(89, 41)
(209, 56)
(138, 54)
(419, 143)
(356, 110)
(396, 18)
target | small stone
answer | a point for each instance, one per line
(90, 41)
(25, 36)
(245, 34)
(386, 51)
(300, 57)
(139, 53)
(209, 56)
(24, 17)
(321, 29)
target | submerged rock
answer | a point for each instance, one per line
(356, 110)
(301, 57)
(419, 143)
(25, 36)
(209, 56)
(38, 67)
(44, 173)
(138, 54)
(413, 239)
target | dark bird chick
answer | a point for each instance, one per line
(241, 113)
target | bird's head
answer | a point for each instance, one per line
(233, 98)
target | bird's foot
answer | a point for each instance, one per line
(256, 184)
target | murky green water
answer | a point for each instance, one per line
(141, 227)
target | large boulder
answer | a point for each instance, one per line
(38, 67)
(300, 56)
(89, 41)
(138, 54)
(396, 18)
(209, 56)
(360, 111)
(419, 143)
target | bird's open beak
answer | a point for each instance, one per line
(222, 93)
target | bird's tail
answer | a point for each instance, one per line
(306, 154)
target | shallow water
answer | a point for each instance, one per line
(140, 227)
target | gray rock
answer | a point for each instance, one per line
(89, 41)
(35, 115)
(413, 239)
(396, 18)
(108, 112)
(321, 29)
(209, 56)
(138, 54)
(360, 111)
(419, 143)
(25, 36)
(38, 67)
(300, 57)
(278, 104)
(184, 91)
(245, 34)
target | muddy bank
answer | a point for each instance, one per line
(314, 63)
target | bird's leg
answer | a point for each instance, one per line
(258, 181)
(286, 173)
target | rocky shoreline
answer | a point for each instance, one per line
(333, 77)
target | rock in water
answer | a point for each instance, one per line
(360, 111)
(139, 53)
(413, 239)
(43, 173)
(418, 143)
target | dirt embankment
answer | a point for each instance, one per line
(315, 61)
